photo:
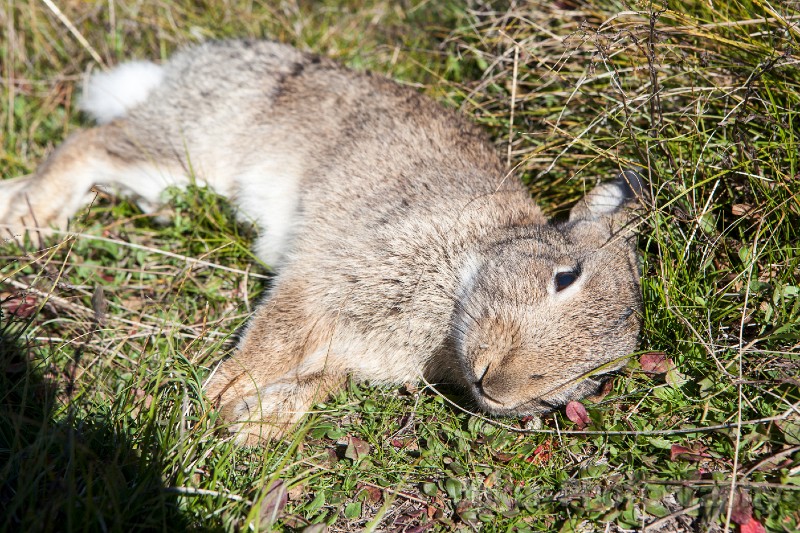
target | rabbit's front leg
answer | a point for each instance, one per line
(270, 411)
(283, 366)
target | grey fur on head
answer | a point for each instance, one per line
(402, 248)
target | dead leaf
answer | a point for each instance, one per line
(752, 526)
(134, 303)
(464, 510)
(142, 394)
(316, 528)
(409, 389)
(739, 210)
(273, 505)
(296, 492)
(99, 305)
(655, 362)
(420, 528)
(491, 479)
(608, 385)
(503, 457)
(409, 444)
(374, 494)
(356, 448)
(791, 429)
(674, 378)
(577, 413)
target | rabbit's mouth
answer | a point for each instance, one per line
(546, 402)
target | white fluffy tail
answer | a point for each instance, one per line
(109, 95)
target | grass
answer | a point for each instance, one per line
(107, 336)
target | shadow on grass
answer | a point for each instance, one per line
(63, 471)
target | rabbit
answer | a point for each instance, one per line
(403, 248)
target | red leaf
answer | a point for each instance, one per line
(752, 526)
(742, 511)
(677, 450)
(408, 444)
(577, 413)
(687, 454)
(22, 306)
(273, 504)
(655, 362)
(540, 455)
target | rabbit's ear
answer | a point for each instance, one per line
(614, 200)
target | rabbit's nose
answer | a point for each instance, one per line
(497, 388)
(480, 388)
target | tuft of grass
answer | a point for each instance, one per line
(106, 335)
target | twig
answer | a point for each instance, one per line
(636, 433)
(74, 31)
(664, 519)
(739, 386)
(79, 309)
(191, 491)
(150, 249)
(713, 483)
(513, 103)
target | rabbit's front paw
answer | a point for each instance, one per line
(256, 413)
(265, 415)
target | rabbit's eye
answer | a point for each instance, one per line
(565, 279)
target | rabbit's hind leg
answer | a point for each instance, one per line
(62, 183)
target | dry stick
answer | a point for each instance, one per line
(733, 23)
(789, 27)
(513, 103)
(62, 302)
(8, 71)
(782, 453)
(638, 433)
(134, 246)
(191, 491)
(739, 385)
(712, 483)
(664, 519)
(74, 31)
